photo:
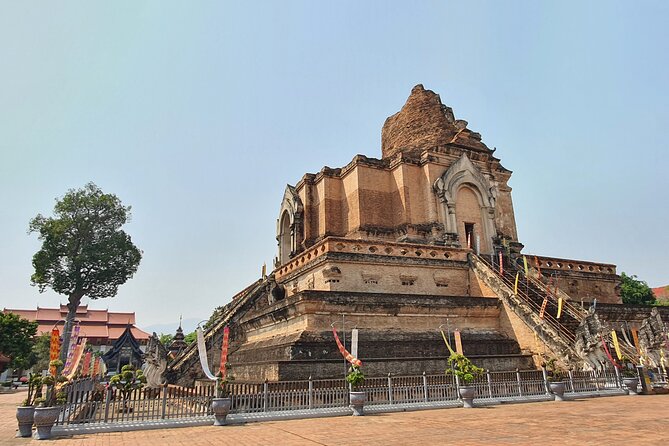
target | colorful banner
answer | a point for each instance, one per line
(349, 357)
(448, 346)
(78, 353)
(501, 266)
(74, 339)
(96, 367)
(543, 307)
(515, 286)
(458, 342)
(608, 355)
(635, 338)
(224, 351)
(54, 349)
(86, 366)
(202, 350)
(559, 313)
(525, 265)
(616, 345)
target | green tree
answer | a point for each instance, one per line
(42, 352)
(635, 292)
(84, 251)
(16, 340)
(165, 339)
(190, 337)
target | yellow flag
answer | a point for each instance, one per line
(525, 263)
(614, 336)
(515, 287)
(559, 313)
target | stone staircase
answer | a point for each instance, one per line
(558, 334)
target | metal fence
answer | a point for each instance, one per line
(92, 402)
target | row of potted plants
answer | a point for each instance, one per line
(43, 404)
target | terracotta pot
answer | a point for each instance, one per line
(25, 416)
(467, 394)
(557, 388)
(221, 408)
(45, 417)
(358, 400)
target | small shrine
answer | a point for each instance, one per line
(125, 350)
(178, 343)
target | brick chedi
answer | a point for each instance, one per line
(388, 245)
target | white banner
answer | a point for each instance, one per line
(354, 342)
(201, 349)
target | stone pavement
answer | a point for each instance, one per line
(639, 420)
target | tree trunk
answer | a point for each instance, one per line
(73, 303)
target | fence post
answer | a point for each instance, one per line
(489, 382)
(424, 387)
(619, 382)
(520, 387)
(596, 380)
(543, 372)
(164, 405)
(457, 387)
(107, 403)
(265, 395)
(311, 393)
(390, 388)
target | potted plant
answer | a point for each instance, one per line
(49, 407)
(630, 376)
(126, 382)
(466, 372)
(222, 403)
(355, 378)
(556, 384)
(25, 413)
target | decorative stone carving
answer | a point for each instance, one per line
(155, 363)
(588, 344)
(651, 337)
(289, 227)
(460, 173)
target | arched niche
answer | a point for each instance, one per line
(464, 181)
(289, 226)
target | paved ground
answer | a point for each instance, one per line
(639, 420)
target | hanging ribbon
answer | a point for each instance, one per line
(635, 337)
(515, 286)
(448, 346)
(349, 357)
(626, 338)
(543, 308)
(54, 349)
(559, 312)
(608, 355)
(202, 351)
(501, 266)
(525, 265)
(616, 345)
(224, 351)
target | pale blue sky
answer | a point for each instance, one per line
(198, 113)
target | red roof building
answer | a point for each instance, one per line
(661, 293)
(101, 327)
